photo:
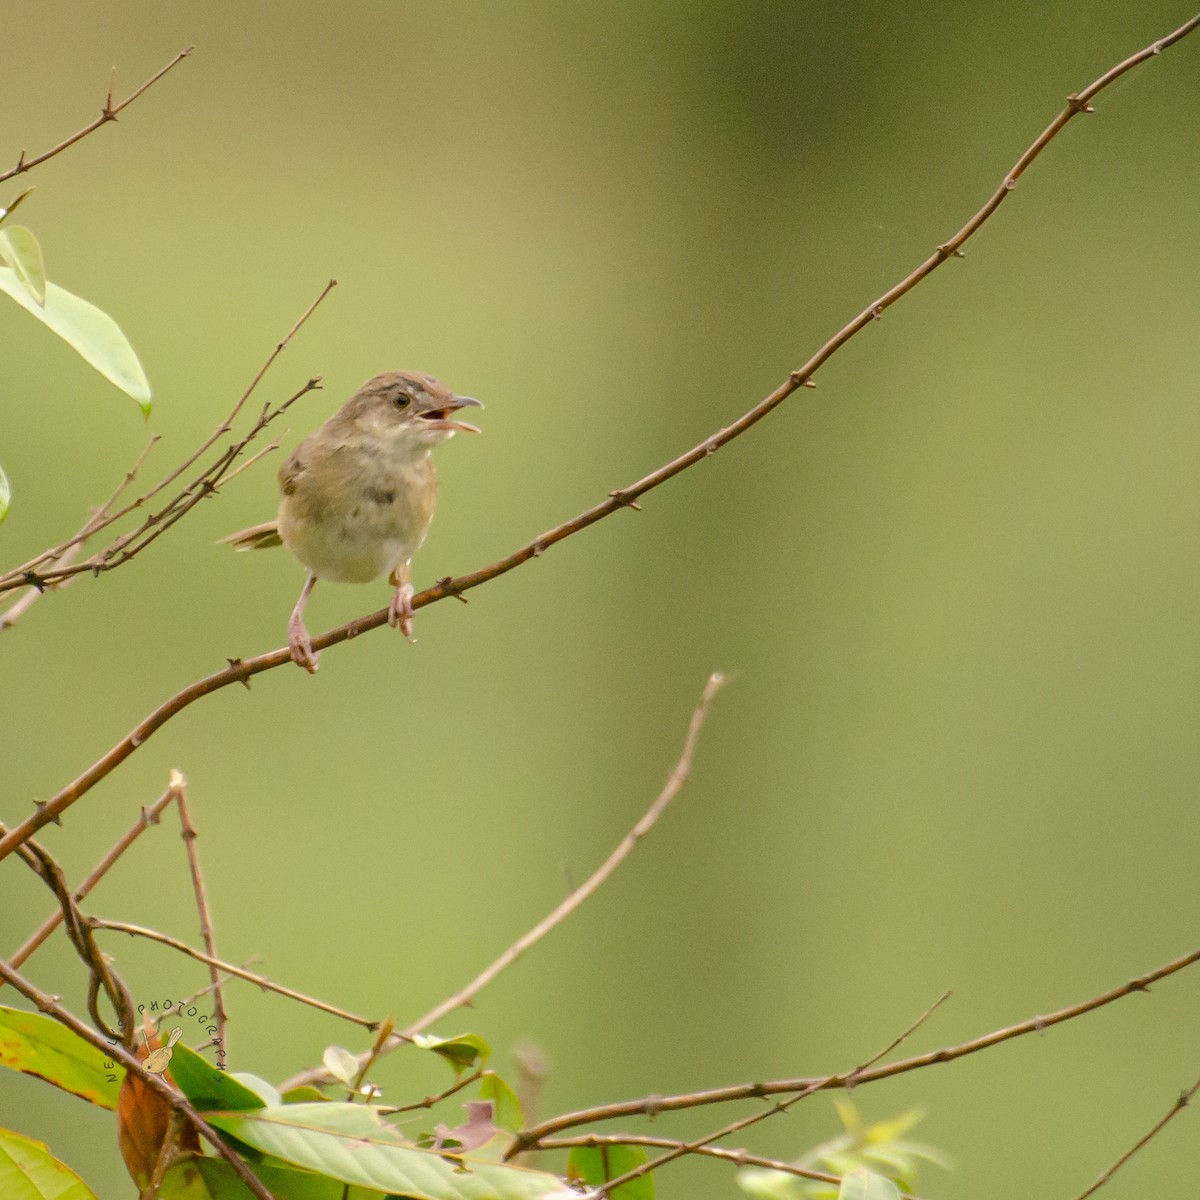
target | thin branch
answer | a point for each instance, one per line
(101, 973)
(242, 670)
(260, 981)
(108, 113)
(69, 551)
(553, 919)
(178, 788)
(739, 1158)
(1181, 1102)
(148, 817)
(37, 573)
(653, 1105)
(782, 1106)
(50, 1006)
(431, 1101)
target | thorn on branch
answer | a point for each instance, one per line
(40, 805)
(446, 583)
(801, 380)
(243, 677)
(945, 251)
(1077, 104)
(623, 500)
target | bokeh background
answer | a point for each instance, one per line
(957, 585)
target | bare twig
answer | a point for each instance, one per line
(178, 789)
(50, 1006)
(69, 551)
(739, 1158)
(1181, 1102)
(242, 670)
(552, 920)
(781, 1106)
(108, 113)
(430, 1101)
(652, 1105)
(260, 981)
(148, 817)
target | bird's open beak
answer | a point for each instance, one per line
(441, 417)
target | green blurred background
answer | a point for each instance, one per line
(957, 585)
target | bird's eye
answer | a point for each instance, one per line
(402, 400)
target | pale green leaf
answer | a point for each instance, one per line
(351, 1142)
(5, 494)
(862, 1184)
(94, 334)
(341, 1064)
(37, 1045)
(506, 1108)
(19, 249)
(28, 1171)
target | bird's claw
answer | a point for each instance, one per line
(400, 611)
(300, 646)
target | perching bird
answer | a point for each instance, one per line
(358, 495)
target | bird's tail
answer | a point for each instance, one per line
(257, 537)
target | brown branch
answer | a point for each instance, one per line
(739, 1158)
(148, 817)
(229, 968)
(178, 789)
(242, 670)
(652, 1105)
(108, 113)
(782, 1106)
(69, 551)
(1181, 1102)
(552, 920)
(50, 1006)
(36, 572)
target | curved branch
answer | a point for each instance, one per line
(241, 670)
(529, 1139)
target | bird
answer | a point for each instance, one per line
(357, 496)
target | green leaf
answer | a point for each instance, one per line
(94, 334)
(862, 1184)
(28, 1171)
(5, 494)
(506, 1108)
(19, 250)
(595, 1165)
(304, 1095)
(460, 1052)
(283, 1182)
(206, 1087)
(37, 1045)
(351, 1142)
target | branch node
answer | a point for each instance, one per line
(40, 805)
(34, 580)
(624, 501)
(446, 583)
(945, 251)
(243, 676)
(1077, 104)
(799, 379)
(538, 548)
(876, 313)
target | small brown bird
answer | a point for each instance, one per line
(358, 495)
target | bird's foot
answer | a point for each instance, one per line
(300, 646)
(400, 611)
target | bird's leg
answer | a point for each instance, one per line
(299, 643)
(400, 611)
